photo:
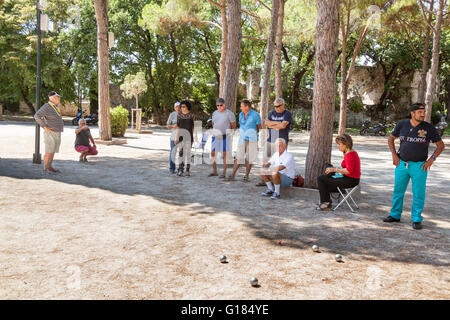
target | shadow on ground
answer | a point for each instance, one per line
(292, 219)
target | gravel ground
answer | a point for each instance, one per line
(122, 227)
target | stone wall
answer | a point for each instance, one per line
(67, 109)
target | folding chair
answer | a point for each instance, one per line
(346, 194)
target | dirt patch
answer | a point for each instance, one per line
(122, 227)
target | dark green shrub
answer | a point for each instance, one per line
(119, 121)
(436, 112)
(300, 120)
(355, 105)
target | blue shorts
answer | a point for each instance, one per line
(220, 145)
(285, 181)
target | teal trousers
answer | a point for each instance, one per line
(403, 173)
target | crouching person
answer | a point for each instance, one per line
(280, 170)
(82, 141)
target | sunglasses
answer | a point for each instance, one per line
(219, 105)
(277, 106)
(183, 106)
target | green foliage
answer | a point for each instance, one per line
(355, 105)
(134, 85)
(436, 112)
(119, 121)
(301, 119)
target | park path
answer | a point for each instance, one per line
(122, 227)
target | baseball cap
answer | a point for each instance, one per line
(54, 93)
(416, 106)
(220, 101)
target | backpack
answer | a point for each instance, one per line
(298, 181)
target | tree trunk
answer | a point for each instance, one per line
(425, 58)
(344, 82)
(279, 42)
(434, 61)
(223, 55)
(101, 13)
(264, 106)
(253, 85)
(320, 141)
(233, 60)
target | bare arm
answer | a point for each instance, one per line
(391, 144)
(276, 124)
(81, 129)
(343, 171)
(439, 148)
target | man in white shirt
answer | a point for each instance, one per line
(279, 171)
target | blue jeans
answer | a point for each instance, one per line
(286, 181)
(171, 161)
(418, 177)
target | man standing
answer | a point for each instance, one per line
(49, 117)
(249, 124)
(172, 125)
(280, 170)
(411, 162)
(222, 120)
(279, 125)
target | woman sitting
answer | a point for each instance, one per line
(345, 177)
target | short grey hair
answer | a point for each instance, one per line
(81, 120)
(281, 140)
(279, 100)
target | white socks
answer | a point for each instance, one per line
(277, 188)
(269, 186)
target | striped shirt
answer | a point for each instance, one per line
(47, 116)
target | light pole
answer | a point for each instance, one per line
(37, 155)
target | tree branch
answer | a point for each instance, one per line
(254, 38)
(210, 23)
(215, 3)
(409, 38)
(422, 11)
(264, 5)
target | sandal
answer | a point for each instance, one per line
(212, 175)
(325, 206)
(245, 179)
(230, 178)
(222, 176)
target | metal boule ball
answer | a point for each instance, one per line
(223, 259)
(315, 248)
(254, 282)
(338, 258)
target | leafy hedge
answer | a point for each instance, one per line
(119, 121)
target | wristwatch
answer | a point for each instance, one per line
(433, 157)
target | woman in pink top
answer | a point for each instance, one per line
(345, 177)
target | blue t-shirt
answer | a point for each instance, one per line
(414, 141)
(280, 117)
(249, 127)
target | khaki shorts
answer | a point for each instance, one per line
(247, 151)
(52, 141)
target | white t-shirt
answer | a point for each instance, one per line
(286, 160)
